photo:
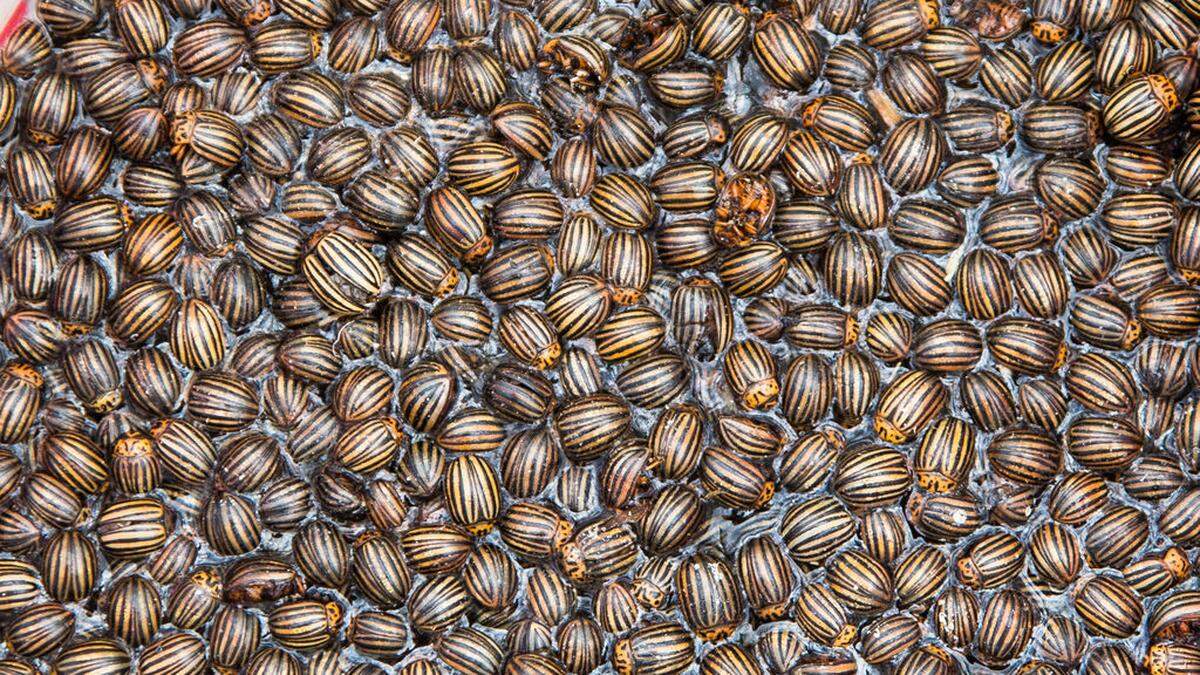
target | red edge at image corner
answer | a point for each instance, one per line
(12, 12)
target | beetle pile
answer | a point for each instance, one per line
(535, 337)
